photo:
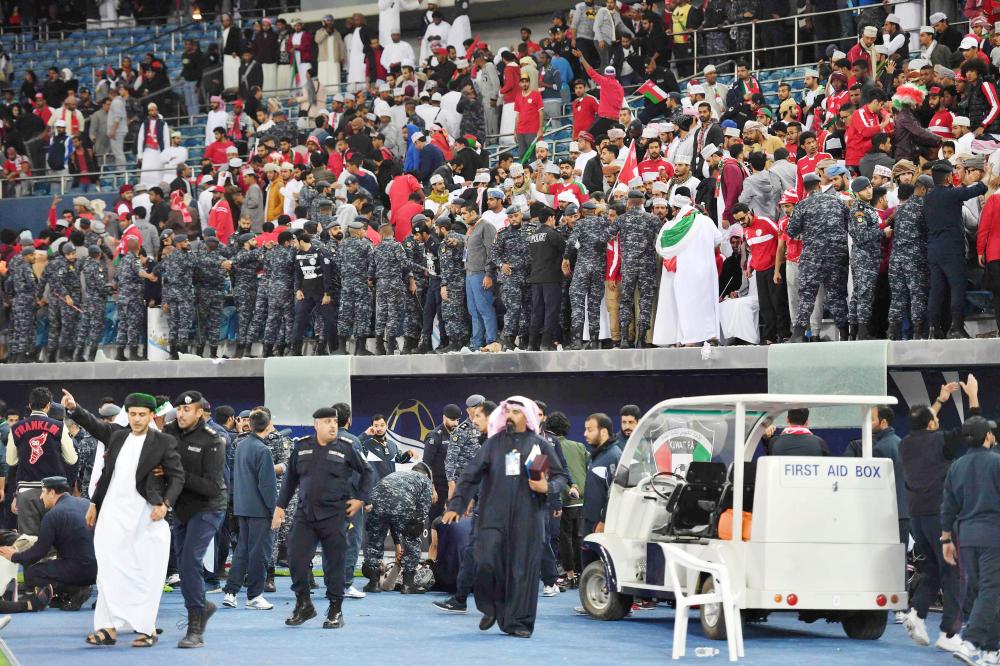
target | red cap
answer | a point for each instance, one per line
(39, 96)
(935, 90)
(586, 136)
(125, 188)
(219, 188)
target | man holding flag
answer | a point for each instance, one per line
(611, 98)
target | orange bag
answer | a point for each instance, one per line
(726, 525)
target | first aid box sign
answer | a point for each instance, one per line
(844, 473)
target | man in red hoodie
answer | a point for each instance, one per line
(988, 248)
(865, 123)
(402, 214)
(611, 96)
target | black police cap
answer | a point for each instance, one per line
(188, 398)
(325, 413)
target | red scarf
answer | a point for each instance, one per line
(796, 430)
(177, 203)
(73, 124)
(237, 132)
(151, 141)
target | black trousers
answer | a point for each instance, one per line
(570, 541)
(432, 307)
(331, 534)
(947, 277)
(303, 310)
(601, 126)
(993, 282)
(936, 574)
(60, 573)
(775, 322)
(546, 298)
(467, 568)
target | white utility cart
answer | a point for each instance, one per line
(824, 540)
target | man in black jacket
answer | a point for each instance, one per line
(131, 554)
(316, 282)
(200, 508)
(796, 439)
(545, 251)
(926, 454)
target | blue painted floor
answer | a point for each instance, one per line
(396, 629)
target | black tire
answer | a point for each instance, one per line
(713, 621)
(865, 625)
(597, 599)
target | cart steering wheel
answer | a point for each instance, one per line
(656, 487)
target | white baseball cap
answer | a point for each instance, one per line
(968, 43)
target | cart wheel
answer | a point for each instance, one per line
(713, 621)
(598, 600)
(865, 625)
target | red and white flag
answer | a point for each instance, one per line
(629, 175)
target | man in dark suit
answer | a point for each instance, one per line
(797, 439)
(131, 562)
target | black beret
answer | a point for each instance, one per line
(245, 238)
(188, 398)
(325, 413)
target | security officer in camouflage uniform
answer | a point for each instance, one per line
(131, 305)
(177, 272)
(278, 268)
(52, 302)
(281, 449)
(451, 253)
(233, 246)
(355, 301)
(91, 326)
(70, 293)
(244, 266)
(399, 504)
(86, 451)
(321, 212)
(636, 231)
(866, 254)
(820, 221)
(413, 301)
(209, 293)
(508, 265)
(390, 276)
(589, 238)
(908, 275)
(21, 287)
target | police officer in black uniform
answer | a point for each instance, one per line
(435, 450)
(320, 468)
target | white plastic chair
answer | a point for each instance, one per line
(722, 593)
(8, 573)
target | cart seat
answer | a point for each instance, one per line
(693, 503)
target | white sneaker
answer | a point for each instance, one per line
(916, 628)
(952, 644)
(229, 601)
(173, 579)
(988, 658)
(354, 593)
(259, 603)
(966, 652)
(899, 617)
(550, 591)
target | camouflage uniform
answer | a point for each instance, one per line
(400, 503)
(820, 221)
(866, 254)
(636, 231)
(281, 450)
(245, 265)
(53, 311)
(388, 270)
(67, 282)
(86, 451)
(131, 305)
(209, 293)
(462, 447)
(908, 278)
(278, 291)
(511, 248)
(91, 326)
(21, 286)
(413, 303)
(355, 297)
(590, 239)
(177, 273)
(453, 279)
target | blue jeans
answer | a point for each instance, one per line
(479, 301)
(250, 556)
(189, 91)
(355, 532)
(190, 542)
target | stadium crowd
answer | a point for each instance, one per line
(694, 215)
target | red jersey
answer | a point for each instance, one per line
(215, 152)
(833, 103)
(527, 107)
(762, 238)
(573, 187)
(793, 247)
(654, 166)
(584, 113)
(806, 165)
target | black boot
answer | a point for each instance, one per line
(533, 342)
(280, 349)
(296, 348)
(206, 614)
(174, 356)
(798, 334)
(120, 354)
(361, 346)
(957, 330)
(341, 348)
(183, 348)
(51, 356)
(917, 330)
(78, 355)
(390, 344)
(862, 333)
(303, 610)
(424, 346)
(507, 342)
(379, 346)
(844, 332)
(313, 585)
(409, 344)
(547, 344)
(593, 344)
(896, 330)
(577, 342)
(268, 350)
(193, 638)
(213, 351)
(238, 353)
(626, 341)
(269, 582)
(640, 340)
(374, 575)
(852, 331)
(409, 584)
(334, 618)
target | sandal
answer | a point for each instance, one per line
(101, 637)
(144, 641)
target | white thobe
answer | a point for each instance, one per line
(329, 66)
(665, 331)
(301, 67)
(289, 191)
(355, 58)
(396, 52)
(695, 285)
(230, 66)
(132, 551)
(460, 31)
(448, 115)
(388, 17)
(439, 30)
(173, 157)
(739, 316)
(215, 118)
(428, 112)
